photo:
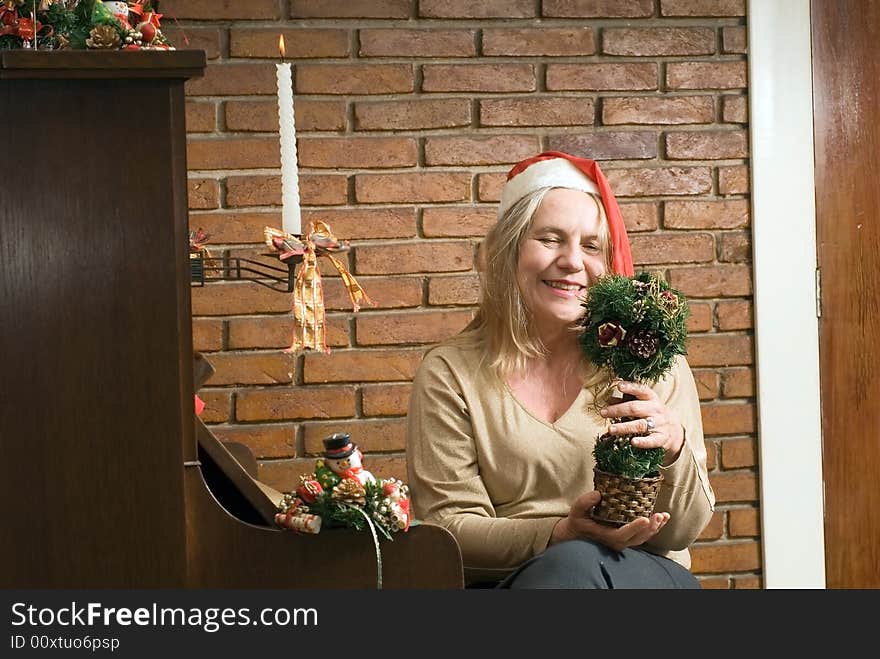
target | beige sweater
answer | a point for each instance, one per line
(481, 465)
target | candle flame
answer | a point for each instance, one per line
(281, 46)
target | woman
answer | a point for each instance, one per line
(503, 417)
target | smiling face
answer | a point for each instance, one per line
(560, 257)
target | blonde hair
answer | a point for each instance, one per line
(504, 324)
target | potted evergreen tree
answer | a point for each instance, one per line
(634, 327)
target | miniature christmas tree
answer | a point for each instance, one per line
(634, 327)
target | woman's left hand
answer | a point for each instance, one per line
(655, 424)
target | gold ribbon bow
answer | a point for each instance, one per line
(308, 291)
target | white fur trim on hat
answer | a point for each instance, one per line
(553, 173)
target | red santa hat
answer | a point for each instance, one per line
(554, 169)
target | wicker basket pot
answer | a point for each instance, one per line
(624, 499)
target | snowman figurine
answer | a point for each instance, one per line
(344, 458)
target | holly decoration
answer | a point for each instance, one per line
(634, 327)
(80, 24)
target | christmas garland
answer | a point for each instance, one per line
(80, 24)
(635, 327)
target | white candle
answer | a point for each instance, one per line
(290, 213)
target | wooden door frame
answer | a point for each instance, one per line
(787, 329)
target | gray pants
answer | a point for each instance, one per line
(585, 564)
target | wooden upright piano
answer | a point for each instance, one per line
(103, 478)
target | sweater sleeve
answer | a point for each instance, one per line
(685, 492)
(445, 481)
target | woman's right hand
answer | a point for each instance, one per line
(579, 524)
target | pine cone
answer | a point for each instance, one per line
(351, 491)
(103, 37)
(643, 343)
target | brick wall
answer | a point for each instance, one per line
(409, 113)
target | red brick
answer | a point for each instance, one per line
(354, 78)
(385, 399)
(711, 455)
(483, 9)
(744, 522)
(738, 453)
(734, 557)
(423, 256)
(657, 110)
(264, 441)
(366, 223)
(232, 227)
(262, 116)
(457, 221)
(412, 115)
(233, 153)
(401, 42)
(412, 188)
(491, 150)
(386, 292)
(734, 486)
(601, 77)
(207, 334)
(733, 180)
(672, 248)
(317, 190)
(489, 186)
(738, 383)
(734, 315)
(543, 111)
(203, 193)
(283, 475)
(714, 529)
(735, 247)
(607, 145)
(734, 39)
(228, 298)
(747, 583)
(370, 435)
(714, 583)
(720, 350)
(707, 146)
(735, 109)
(194, 38)
(700, 319)
(457, 289)
(544, 41)
(234, 80)
(712, 281)
(662, 41)
(702, 7)
(357, 152)
(324, 402)
(597, 8)
(350, 8)
(640, 216)
(413, 327)
(201, 117)
(660, 181)
(277, 331)
(362, 365)
(728, 418)
(218, 11)
(707, 383)
(251, 368)
(478, 78)
(706, 75)
(218, 405)
(298, 42)
(733, 214)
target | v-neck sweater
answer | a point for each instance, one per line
(499, 478)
